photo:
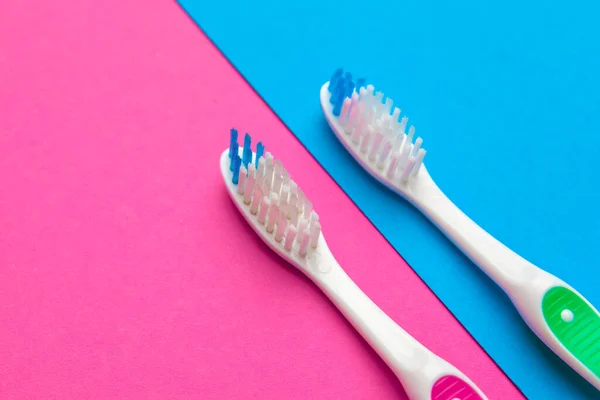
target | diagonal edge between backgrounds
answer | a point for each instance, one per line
(347, 195)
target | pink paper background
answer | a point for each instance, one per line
(125, 271)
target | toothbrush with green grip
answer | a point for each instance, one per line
(372, 132)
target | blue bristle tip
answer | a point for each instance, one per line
(236, 169)
(338, 91)
(332, 98)
(337, 108)
(350, 89)
(233, 137)
(234, 153)
(247, 153)
(335, 79)
(260, 150)
(336, 74)
(339, 100)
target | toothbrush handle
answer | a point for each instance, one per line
(568, 324)
(560, 316)
(424, 375)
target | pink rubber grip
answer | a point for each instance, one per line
(453, 388)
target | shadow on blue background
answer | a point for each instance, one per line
(507, 99)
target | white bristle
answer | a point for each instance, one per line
(302, 227)
(293, 194)
(378, 105)
(304, 241)
(381, 109)
(284, 198)
(281, 224)
(388, 135)
(314, 234)
(378, 135)
(389, 103)
(266, 189)
(277, 177)
(308, 207)
(411, 134)
(395, 126)
(364, 146)
(256, 198)
(351, 122)
(362, 94)
(386, 123)
(260, 172)
(301, 199)
(262, 164)
(241, 180)
(358, 130)
(361, 123)
(404, 154)
(278, 167)
(275, 202)
(371, 118)
(418, 162)
(293, 217)
(375, 147)
(273, 212)
(407, 169)
(345, 110)
(387, 147)
(397, 142)
(286, 178)
(393, 165)
(300, 206)
(402, 125)
(269, 158)
(353, 108)
(416, 147)
(269, 170)
(249, 184)
(369, 96)
(396, 114)
(314, 217)
(379, 96)
(380, 112)
(289, 237)
(264, 208)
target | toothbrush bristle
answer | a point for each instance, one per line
(373, 126)
(265, 189)
(233, 137)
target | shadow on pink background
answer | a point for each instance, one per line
(126, 272)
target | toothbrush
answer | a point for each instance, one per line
(281, 214)
(372, 131)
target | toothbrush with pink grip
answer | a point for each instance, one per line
(279, 212)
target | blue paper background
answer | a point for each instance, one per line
(507, 98)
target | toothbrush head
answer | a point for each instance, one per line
(273, 204)
(370, 127)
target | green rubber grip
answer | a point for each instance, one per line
(575, 324)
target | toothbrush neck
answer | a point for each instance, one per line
(501, 264)
(397, 348)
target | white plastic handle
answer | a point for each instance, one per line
(424, 375)
(560, 316)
